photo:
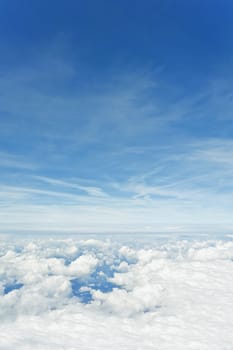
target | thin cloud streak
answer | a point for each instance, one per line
(143, 200)
(91, 191)
(13, 161)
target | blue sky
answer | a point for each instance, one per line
(115, 116)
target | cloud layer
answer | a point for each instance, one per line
(85, 294)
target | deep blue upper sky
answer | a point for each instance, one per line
(115, 115)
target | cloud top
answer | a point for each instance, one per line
(65, 293)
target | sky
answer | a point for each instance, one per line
(116, 116)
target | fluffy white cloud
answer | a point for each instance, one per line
(93, 294)
(82, 266)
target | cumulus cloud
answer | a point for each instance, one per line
(83, 265)
(62, 294)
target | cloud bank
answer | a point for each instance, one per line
(93, 294)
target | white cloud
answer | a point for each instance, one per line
(166, 295)
(90, 190)
(84, 265)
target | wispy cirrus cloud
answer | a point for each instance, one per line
(181, 189)
(13, 161)
(90, 190)
(121, 150)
